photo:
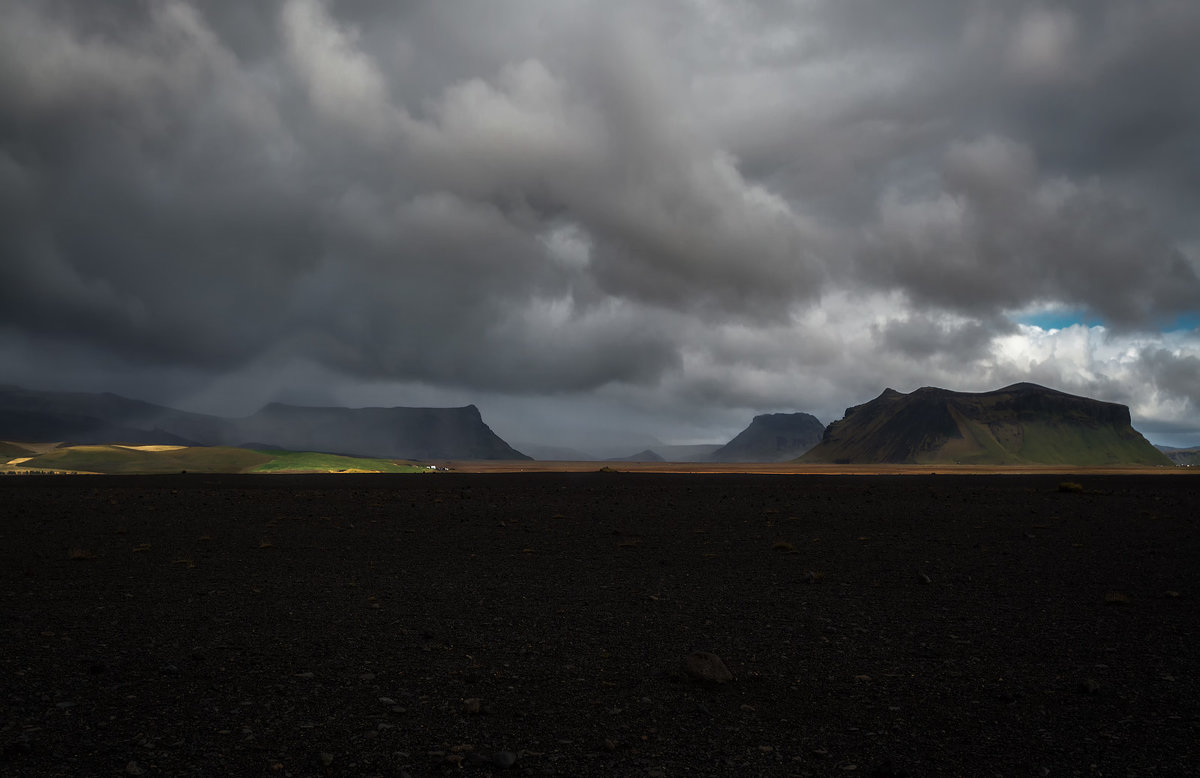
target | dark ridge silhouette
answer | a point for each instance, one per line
(772, 437)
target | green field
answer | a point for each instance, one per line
(310, 462)
(199, 459)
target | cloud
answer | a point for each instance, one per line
(995, 235)
(690, 212)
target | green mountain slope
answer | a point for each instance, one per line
(1019, 424)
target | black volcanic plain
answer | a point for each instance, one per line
(446, 624)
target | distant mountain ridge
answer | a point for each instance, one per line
(1019, 424)
(772, 437)
(405, 433)
(1188, 457)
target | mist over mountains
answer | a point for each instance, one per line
(406, 433)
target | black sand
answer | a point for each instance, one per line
(346, 625)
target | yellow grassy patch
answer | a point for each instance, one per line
(152, 448)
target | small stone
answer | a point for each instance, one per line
(133, 768)
(706, 666)
(325, 758)
(472, 705)
(387, 701)
(924, 579)
(1089, 686)
(504, 759)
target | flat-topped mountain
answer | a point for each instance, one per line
(405, 433)
(1019, 424)
(772, 437)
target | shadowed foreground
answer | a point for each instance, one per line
(383, 625)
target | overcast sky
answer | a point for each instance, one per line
(602, 220)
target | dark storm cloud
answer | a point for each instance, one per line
(922, 336)
(1172, 374)
(193, 184)
(997, 236)
(716, 204)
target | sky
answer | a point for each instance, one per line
(602, 221)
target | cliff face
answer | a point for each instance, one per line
(772, 437)
(1019, 424)
(403, 433)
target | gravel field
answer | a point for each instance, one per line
(541, 624)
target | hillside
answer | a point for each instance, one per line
(772, 437)
(82, 417)
(1019, 424)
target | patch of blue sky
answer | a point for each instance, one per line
(1185, 322)
(1057, 318)
(1062, 318)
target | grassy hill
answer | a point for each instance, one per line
(113, 459)
(1020, 424)
(13, 450)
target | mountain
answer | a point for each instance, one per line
(407, 433)
(1189, 457)
(80, 417)
(1019, 424)
(772, 437)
